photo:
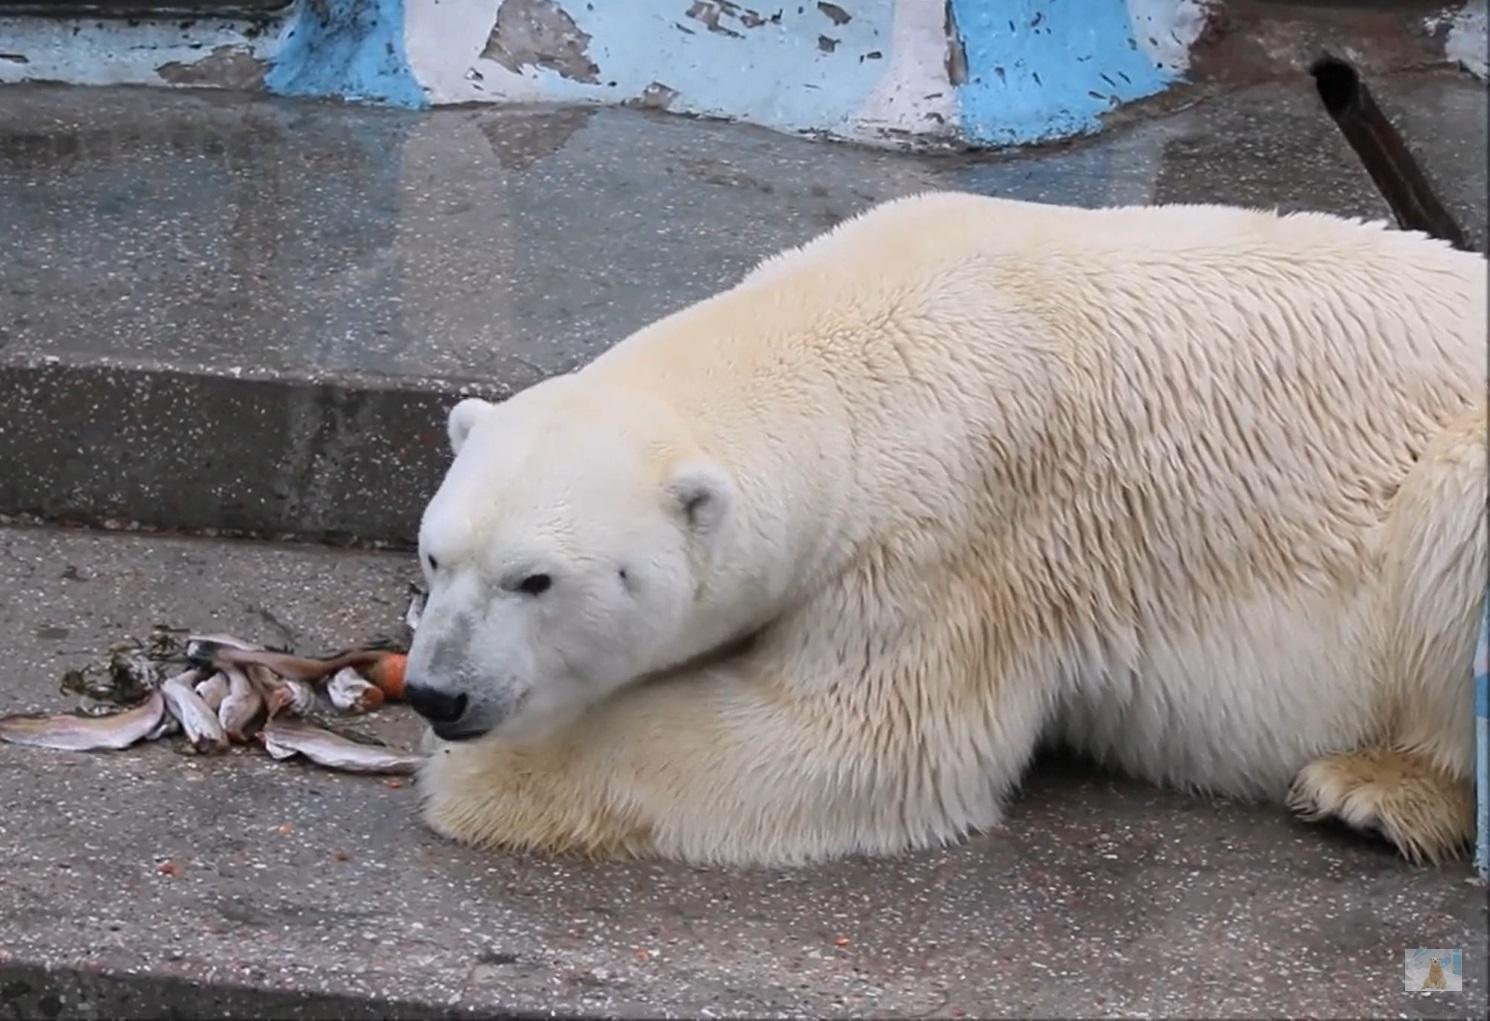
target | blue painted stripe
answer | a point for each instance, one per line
(1482, 664)
(349, 49)
(1040, 69)
(1482, 778)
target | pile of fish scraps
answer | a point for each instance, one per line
(217, 691)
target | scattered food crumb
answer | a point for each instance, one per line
(841, 941)
(285, 829)
(394, 782)
(340, 855)
(168, 868)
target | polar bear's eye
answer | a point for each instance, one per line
(535, 584)
(434, 565)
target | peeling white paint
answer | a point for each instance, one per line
(444, 40)
(915, 94)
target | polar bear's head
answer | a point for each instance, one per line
(568, 552)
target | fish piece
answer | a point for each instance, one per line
(211, 654)
(232, 641)
(283, 738)
(278, 752)
(301, 697)
(350, 692)
(203, 731)
(69, 732)
(167, 726)
(281, 695)
(271, 688)
(213, 690)
(243, 709)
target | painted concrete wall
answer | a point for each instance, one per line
(889, 72)
(987, 71)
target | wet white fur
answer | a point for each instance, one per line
(1198, 489)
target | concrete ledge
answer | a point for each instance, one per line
(336, 462)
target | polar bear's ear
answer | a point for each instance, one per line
(702, 492)
(463, 418)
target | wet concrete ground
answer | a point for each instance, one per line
(228, 313)
(276, 299)
(304, 893)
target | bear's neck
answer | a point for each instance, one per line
(820, 435)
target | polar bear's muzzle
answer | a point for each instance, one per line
(441, 708)
(444, 685)
(453, 715)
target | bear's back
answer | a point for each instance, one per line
(1301, 292)
(1231, 379)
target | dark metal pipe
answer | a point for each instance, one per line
(1382, 151)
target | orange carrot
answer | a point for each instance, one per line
(387, 672)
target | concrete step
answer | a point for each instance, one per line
(243, 315)
(299, 893)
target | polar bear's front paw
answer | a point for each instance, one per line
(485, 795)
(1426, 814)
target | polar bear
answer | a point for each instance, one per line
(810, 568)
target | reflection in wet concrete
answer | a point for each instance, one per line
(224, 234)
(217, 234)
(521, 138)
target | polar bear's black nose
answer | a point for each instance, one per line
(435, 705)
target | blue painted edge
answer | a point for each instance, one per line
(346, 49)
(1039, 70)
(1482, 744)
